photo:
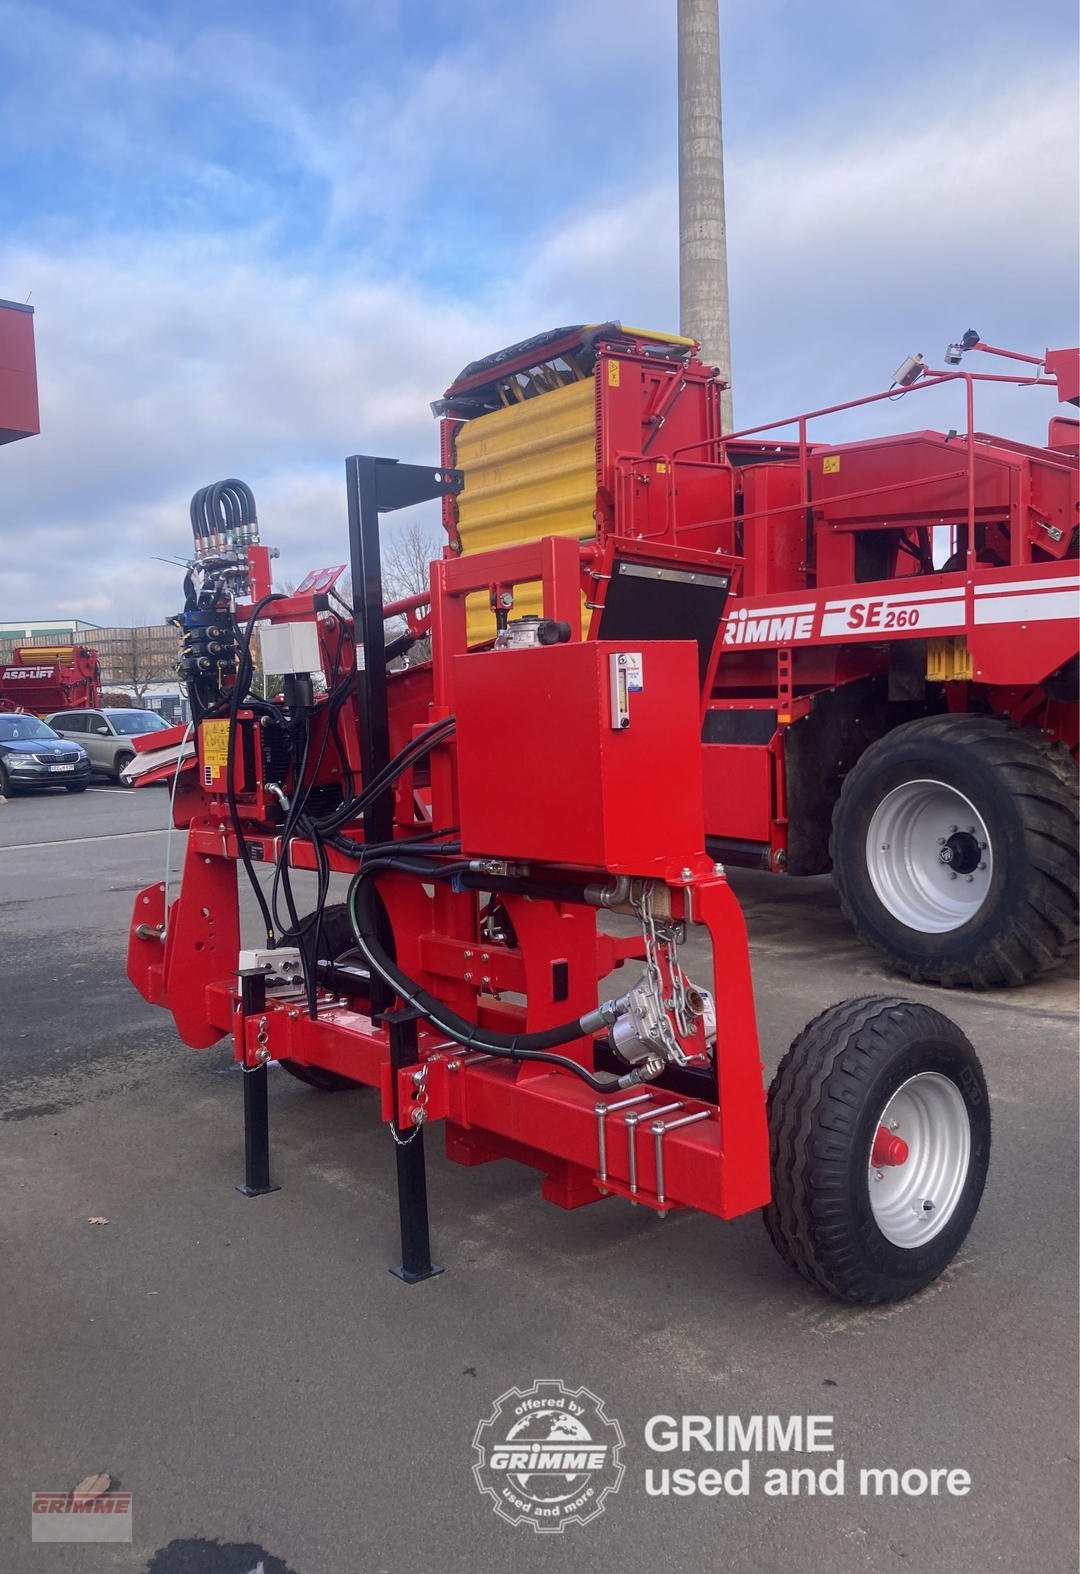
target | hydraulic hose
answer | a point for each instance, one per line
(513, 1046)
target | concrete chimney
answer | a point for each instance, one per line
(703, 280)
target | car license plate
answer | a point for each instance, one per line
(61, 767)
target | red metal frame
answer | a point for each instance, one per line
(186, 960)
(18, 373)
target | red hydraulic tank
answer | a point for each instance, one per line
(568, 753)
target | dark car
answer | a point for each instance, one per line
(32, 755)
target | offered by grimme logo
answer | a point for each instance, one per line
(547, 1456)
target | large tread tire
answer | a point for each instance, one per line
(823, 1108)
(338, 938)
(1025, 789)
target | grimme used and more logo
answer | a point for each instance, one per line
(547, 1456)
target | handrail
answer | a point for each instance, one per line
(932, 378)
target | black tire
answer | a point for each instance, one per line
(825, 1103)
(121, 764)
(76, 786)
(1024, 789)
(338, 939)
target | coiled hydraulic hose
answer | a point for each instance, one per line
(223, 511)
(364, 914)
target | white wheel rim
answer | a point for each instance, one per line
(929, 857)
(913, 1200)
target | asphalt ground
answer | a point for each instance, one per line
(273, 1398)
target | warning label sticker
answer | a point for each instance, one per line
(214, 736)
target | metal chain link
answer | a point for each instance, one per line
(661, 940)
(420, 1100)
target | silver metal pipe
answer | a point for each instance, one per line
(602, 1112)
(659, 1130)
(631, 1137)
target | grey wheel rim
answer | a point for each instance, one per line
(929, 856)
(913, 1200)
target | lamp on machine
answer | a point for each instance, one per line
(954, 354)
(908, 371)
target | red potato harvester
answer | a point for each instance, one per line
(488, 807)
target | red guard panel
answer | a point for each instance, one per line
(544, 774)
(18, 373)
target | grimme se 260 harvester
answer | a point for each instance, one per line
(546, 769)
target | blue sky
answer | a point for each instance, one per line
(260, 236)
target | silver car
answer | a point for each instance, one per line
(106, 734)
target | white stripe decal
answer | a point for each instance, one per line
(934, 615)
(759, 610)
(1023, 586)
(1031, 609)
(899, 597)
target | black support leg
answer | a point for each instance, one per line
(257, 1180)
(416, 1264)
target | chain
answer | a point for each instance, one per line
(403, 1142)
(669, 935)
(661, 940)
(420, 1099)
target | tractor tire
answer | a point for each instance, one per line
(338, 938)
(120, 764)
(857, 1212)
(954, 851)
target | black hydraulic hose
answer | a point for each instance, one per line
(236, 698)
(546, 890)
(413, 751)
(513, 1046)
(221, 507)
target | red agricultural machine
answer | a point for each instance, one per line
(894, 693)
(47, 678)
(537, 810)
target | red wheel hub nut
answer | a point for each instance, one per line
(888, 1149)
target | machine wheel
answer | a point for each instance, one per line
(338, 939)
(120, 764)
(879, 1138)
(954, 851)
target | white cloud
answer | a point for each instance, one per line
(171, 360)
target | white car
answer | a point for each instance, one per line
(106, 734)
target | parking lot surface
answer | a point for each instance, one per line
(275, 1400)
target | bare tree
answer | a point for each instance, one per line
(406, 560)
(407, 555)
(406, 570)
(133, 658)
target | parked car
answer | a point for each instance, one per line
(32, 756)
(106, 734)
